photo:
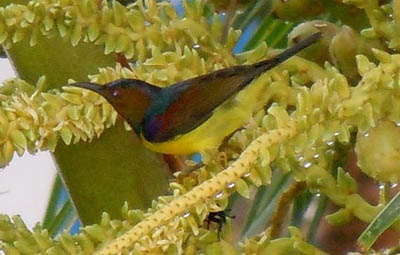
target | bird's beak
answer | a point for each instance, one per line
(90, 86)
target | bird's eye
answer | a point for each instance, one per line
(115, 93)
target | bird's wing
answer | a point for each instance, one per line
(186, 105)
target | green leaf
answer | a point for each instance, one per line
(251, 13)
(63, 218)
(272, 31)
(322, 203)
(264, 204)
(60, 215)
(300, 206)
(51, 210)
(386, 218)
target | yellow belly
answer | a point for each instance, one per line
(226, 118)
(207, 136)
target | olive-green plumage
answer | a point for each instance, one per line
(191, 115)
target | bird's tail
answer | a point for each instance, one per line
(265, 65)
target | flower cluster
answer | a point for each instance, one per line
(135, 31)
(305, 141)
(33, 120)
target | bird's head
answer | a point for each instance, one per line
(129, 97)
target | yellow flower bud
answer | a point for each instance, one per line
(378, 152)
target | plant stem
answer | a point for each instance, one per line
(282, 208)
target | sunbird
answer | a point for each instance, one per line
(195, 114)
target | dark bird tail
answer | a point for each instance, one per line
(270, 63)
